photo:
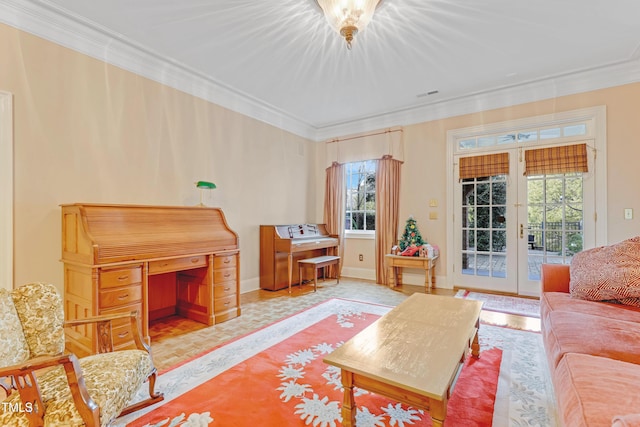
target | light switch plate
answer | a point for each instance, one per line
(628, 213)
(433, 203)
(433, 215)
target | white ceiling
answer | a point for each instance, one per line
(279, 61)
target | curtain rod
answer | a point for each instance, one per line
(366, 135)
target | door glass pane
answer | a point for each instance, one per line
(468, 217)
(555, 220)
(499, 193)
(573, 130)
(468, 264)
(499, 266)
(550, 133)
(528, 136)
(484, 224)
(483, 217)
(498, 219)
(507, 139)
(486, 141)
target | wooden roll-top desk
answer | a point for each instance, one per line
(159, 260)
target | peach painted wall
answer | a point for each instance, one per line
(85, 131)
(424, 170)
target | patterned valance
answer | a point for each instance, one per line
(554, 160)
(487, 165)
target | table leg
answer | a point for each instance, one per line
(427, 281)
(438, 412)
(475, 345)
(349, 401)
(290, 269)
(315, 279)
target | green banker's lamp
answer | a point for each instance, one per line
(204, 185)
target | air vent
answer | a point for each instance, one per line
(425, 94)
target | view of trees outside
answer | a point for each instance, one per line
(361, 195)
(555, 213)
(484, 208)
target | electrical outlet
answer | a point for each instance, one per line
(361, 257)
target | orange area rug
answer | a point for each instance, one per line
(276, 377)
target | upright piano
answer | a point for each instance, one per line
(158, 260)
(281, 246)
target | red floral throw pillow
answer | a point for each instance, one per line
(608, 273)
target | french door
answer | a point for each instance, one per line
(508, 224)
(486, 234)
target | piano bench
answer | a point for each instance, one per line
(317, 263)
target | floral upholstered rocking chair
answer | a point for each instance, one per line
(57, 389)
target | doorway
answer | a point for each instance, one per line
(509, 219)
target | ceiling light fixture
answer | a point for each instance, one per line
(348, 17)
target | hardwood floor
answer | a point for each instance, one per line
(176, 339)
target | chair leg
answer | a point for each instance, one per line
(154, 397)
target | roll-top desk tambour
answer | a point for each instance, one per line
(159, 260)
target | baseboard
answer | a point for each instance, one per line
(253, 284)
(359, 273)
(249, 285)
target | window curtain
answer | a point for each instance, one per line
(387, 206)
(554, 160)
(334, 211)
(487, 165)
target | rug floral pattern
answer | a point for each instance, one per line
(524, 396)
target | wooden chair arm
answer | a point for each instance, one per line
(26, 382)
(105, 340)
(34, 364)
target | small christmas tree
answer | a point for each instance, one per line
(411, 237)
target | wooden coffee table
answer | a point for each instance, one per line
(412, 354)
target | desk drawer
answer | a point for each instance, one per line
(225, 289)
(224, 303)
(224, 275)
(177, 264)
(120, 296)
(224, 261)
(120, 277)
(121, 332)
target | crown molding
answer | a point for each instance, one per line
(46, 20)
(568, 84)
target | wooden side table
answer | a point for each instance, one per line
(395, 263)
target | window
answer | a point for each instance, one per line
(524, 135)
(360, 196)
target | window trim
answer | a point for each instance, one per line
(360, 234)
